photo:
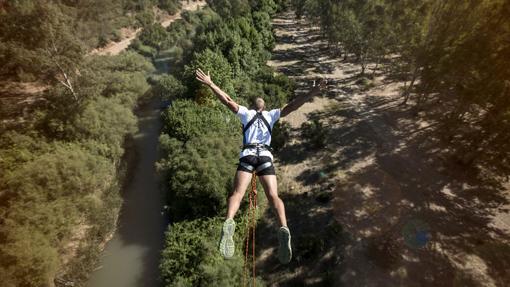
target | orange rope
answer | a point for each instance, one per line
(252, 211)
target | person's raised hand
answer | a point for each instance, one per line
(202, 77)
(318, 85)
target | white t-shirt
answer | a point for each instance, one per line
(257, 132)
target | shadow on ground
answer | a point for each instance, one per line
(384, 205)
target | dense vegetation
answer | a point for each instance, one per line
(62, 167)
(59, 177)
(45, 40)
(201, 137)
(453, 55)
(60, 173)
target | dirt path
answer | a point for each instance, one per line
(114, 48)
(378, 206)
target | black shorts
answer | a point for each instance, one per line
(256, 162)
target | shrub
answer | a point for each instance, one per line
(153, 35)
(191, 256)
(187, 119)
(106, 121)
(145, 18)
(220, 71)
(171, 6)
(314, 133)
(168, 87)
(280, 135)
(199, 174)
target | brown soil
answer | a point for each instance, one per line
(379, 205)
(114, 48)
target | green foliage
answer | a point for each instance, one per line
(230, 8)
(60, 174)
(145, 19)
(52, 49)
(43, 200)
(450, 51)
(61, 32)
(117, 81)
(201, 138)
(199, 174)
(106, 121)
(153, 35)
(220, 70)
(465, 61)
(187, 119)
(168, 87)
(315, 133)
(171, 6)
(190, 257)
(26, 255)
(280, 135)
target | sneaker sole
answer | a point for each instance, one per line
(227, 241)
(285, 250)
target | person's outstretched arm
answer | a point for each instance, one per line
(224, 97)
(300, 100)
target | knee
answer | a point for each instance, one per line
(235, 193)
(274, 198)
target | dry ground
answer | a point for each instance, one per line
(379, 205)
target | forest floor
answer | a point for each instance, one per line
(379, 205)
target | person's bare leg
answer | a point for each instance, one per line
(241, 182)
(227, 244)
(270, 186)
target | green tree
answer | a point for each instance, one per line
(168, 87)
(220, 70)
(199, 174)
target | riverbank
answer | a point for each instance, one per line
(131, 257)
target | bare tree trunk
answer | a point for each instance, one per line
(66, 81)
(375, 68)
(407, 91)
(363, 65)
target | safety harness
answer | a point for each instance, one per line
(259, 168)
(258, 115)
(252, 220)
(258, 146)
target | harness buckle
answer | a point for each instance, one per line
(258, 146)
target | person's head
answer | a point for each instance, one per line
(259, 104)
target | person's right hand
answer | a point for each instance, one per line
(202, 77)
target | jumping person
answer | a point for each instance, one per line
(256, 156)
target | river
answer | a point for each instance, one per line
(131, 257)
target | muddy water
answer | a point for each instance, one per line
(131, 258)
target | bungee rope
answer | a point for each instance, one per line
(250, 225)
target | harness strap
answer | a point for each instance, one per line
(247, 166)
(259, 168)
(264, 166)
(257, 145)
(258, 115)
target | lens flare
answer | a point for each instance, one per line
(416, 233)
